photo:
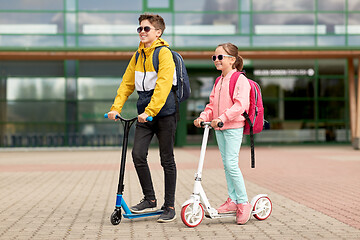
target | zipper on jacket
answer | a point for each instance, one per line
(143, 81)
(222, 79)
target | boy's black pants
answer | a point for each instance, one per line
(164, 128)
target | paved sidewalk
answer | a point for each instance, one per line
(70, 194)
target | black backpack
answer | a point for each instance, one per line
(182, 89)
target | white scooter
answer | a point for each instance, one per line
(192, 211)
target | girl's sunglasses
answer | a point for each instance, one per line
(146, 29)
(220, 57)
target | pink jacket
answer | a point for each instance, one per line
(222, 106)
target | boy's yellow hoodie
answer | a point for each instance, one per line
(154, 88)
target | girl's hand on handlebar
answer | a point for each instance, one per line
(215, 123)
(197, 122)
(112, 115)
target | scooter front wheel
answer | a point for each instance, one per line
(115, 217)
(262, 208)
(189, 218)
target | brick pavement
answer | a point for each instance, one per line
(70, 194)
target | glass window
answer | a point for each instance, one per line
(331, 5)
(353, 24)
(110, 5)
(353, 40)
(335, 132)
(158, 4)
(31, 23)
(281, 87)
(94, 110)
(35, 88)
(331, 21)
(245, 5)
(124, 42)
(2, 91)
(97, 88)
(209, 41)
(111, 130)
(103, 69)
(210, 24)
(353, 5)
(31, 41)
(35, 111)
(108, 23)
(33, 68)
(331, 109)
(271, 111)
(331, 87)
(285, 24)
(332, 67)
(70, 5)
(31, 5)
(295, 110)
(35, 129)
(288, 110)
(289, 134)
(206, 5)
(281, 5)
(283, 41)
(329, 41)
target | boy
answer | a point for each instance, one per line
(158, 101)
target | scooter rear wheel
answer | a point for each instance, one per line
(115, 217)
(190, 219)
(263, 207)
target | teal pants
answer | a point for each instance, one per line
(229, 142)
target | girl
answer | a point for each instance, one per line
(222, 108)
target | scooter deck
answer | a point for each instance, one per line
(139, 215)
(220, 215)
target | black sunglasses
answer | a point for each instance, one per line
(220, 57)
(146, 29)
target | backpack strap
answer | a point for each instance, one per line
(156, 58)
(136, 57)
(246, 115)
(233, 79)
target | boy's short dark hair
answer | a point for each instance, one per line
(156, 20)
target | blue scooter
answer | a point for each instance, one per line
(115, 217)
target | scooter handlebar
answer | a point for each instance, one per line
(220, 124)
(149, 118)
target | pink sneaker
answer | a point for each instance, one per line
(243, 213)
(227, 207)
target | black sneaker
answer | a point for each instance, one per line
(144, 206)
(168, 215)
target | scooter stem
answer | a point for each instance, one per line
(202, 152)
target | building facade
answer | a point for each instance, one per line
(61, 63)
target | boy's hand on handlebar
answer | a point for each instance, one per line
(112, 115)
(142, 117)
(215, 123)
(197, 122)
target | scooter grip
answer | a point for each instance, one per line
(220, 124)
(106, 116)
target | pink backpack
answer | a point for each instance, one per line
(255, 117)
